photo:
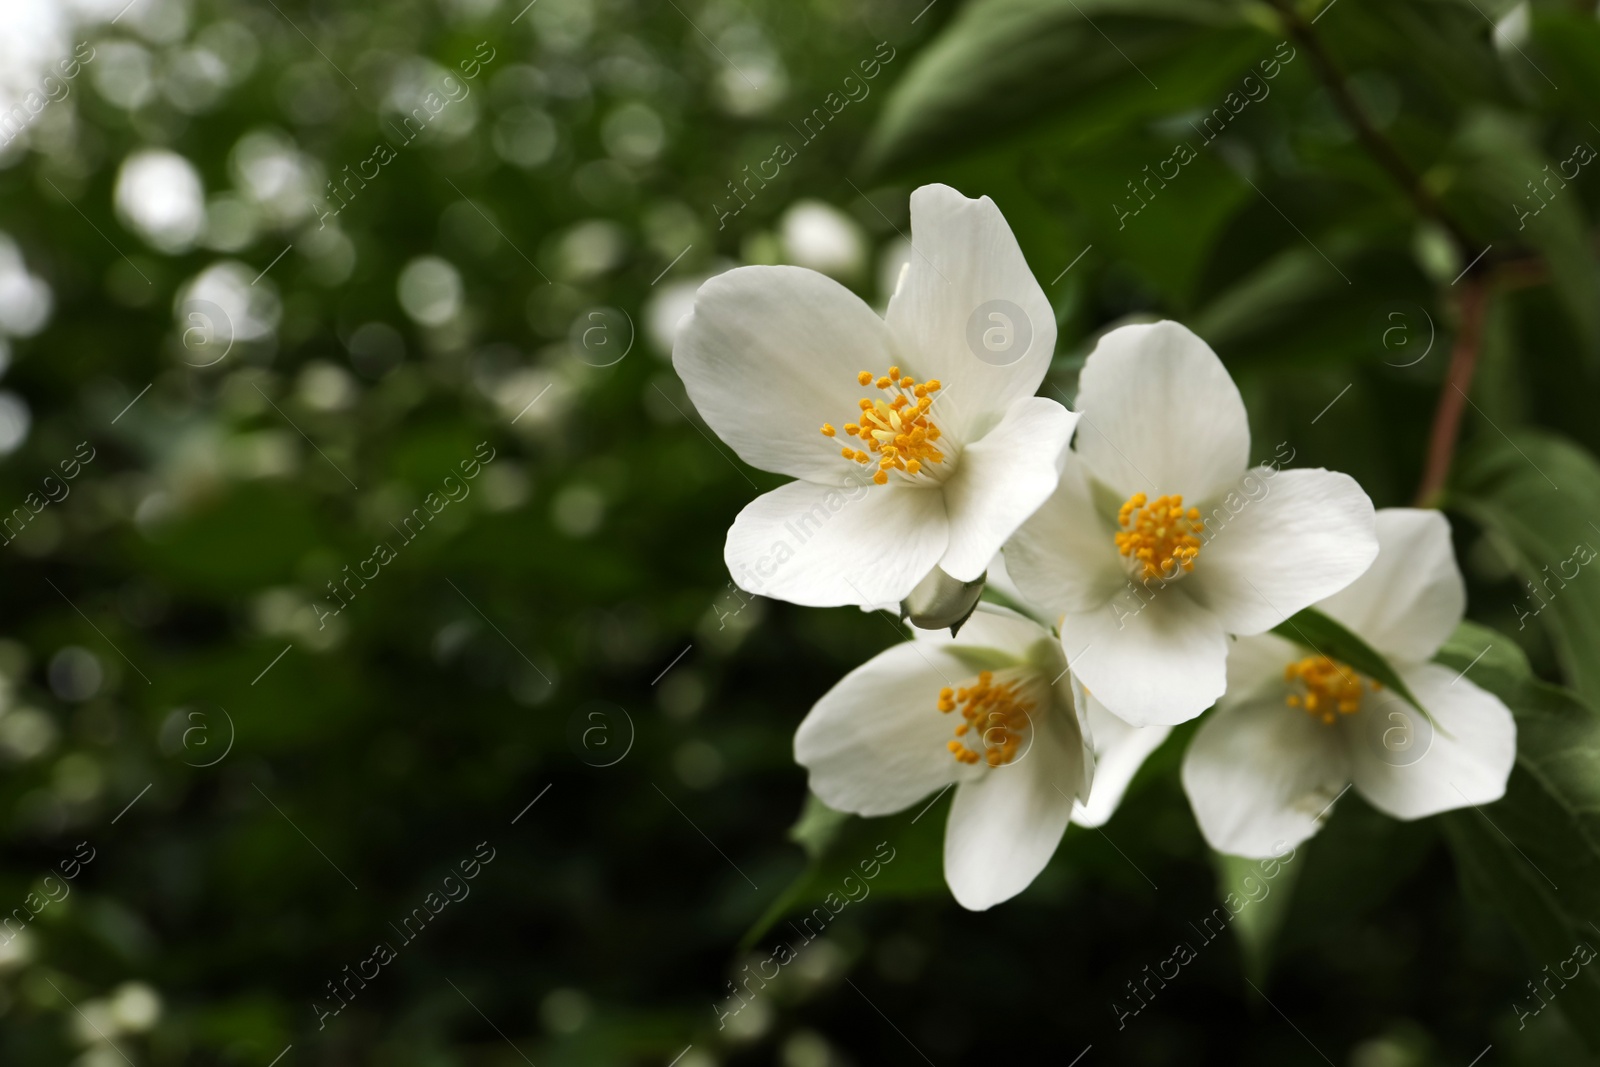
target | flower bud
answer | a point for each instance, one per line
(940, 600)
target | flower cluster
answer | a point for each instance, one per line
(1041, 716)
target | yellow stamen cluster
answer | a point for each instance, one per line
(898, 430)
(1159, 534)
(998, 715)
(1331, 688)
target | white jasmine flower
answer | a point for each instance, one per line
(1297, 728)
(1119, 749)
(992, 713)
(911, 452)
(1200, 547)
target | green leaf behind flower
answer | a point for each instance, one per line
(842, 846)
(1006, 65)
(1323, 635)
(1538, 496)
(1535, 854)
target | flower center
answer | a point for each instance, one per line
(1158, 536)
(897, 430)
(994, 716)
(1328, 688)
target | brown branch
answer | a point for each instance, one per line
(1474, 296)
(1376, 144)
(1453, 397)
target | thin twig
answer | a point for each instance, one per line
(1453, 397)
(1376, 144)
(1474, 294)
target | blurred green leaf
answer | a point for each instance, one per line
(1291, 309)
(1536, 852)
(1168, 229)
(851, 847)
(1512, 188)
(1283, 288)
(1003, 65)
(1256, 926)
(1538, 496)
(1346, 875)
(1566, 47)
(817, 826)
(252, 536)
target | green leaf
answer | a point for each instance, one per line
(200, 550)
(1538, 497)
(1357, 865)
(817, 826)
(1257, 925)
(1004, 65)
(1289, 310)
(1535, 854)
(1314, 630)
(1168, 230)
(1566, 47)
(844, 847)
(1500, 159)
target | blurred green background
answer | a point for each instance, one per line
(243, 344)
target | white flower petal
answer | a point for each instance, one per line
(1064, 558)
(1409, 769)
(1156, 661)
(1308, 534)
(876, 742)
(998, 579)
(1257, 662)
(770, 354)
(1006, 821)
(1259, 775)
(1001, 479)
(1161, 415)
(1412, 597)
(1119, 751)
(966, 266)
(823, 546)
